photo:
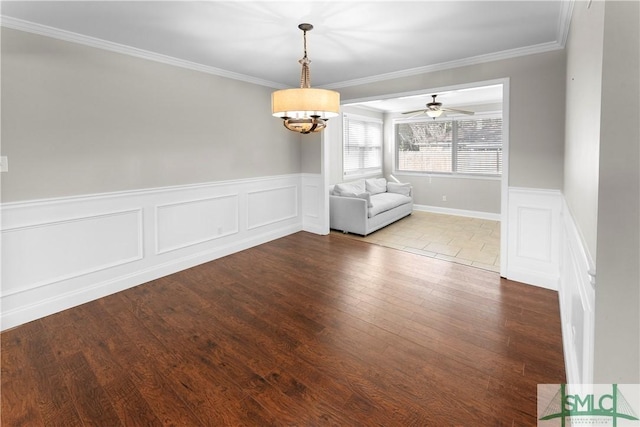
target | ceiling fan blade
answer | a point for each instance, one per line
(415, 111)
(453, 110)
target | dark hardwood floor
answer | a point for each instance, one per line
(306, 330)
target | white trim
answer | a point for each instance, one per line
(533, 236)
(139, 192)
(564, 21)
(68, 36)
(577, 302)
(31, 27)
(448, 175)
(82, 272)
(504, 186)
(480, 59)
(458, 212)
(313, 193)
(159, 208)
(295, 213)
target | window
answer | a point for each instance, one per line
(362, 145)
(467, 146)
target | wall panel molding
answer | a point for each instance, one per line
(191, 222)
(577, 302)
(533, 236)
(44, 253)
(58, 253)
(271, 205)
(313, 193)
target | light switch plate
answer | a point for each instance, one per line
(4, 164)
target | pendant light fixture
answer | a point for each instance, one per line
(305, 109)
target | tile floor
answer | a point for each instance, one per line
(469, 241)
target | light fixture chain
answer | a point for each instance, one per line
(305, 77)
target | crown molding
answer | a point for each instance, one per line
(564, 21)
(43, 30)
(30, 27)
(474, 60)
(562, 33)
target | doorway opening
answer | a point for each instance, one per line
(451, 174)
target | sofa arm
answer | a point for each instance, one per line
(405, 188)
(348, 214)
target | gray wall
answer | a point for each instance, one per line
(602, 182)
(479, 195)
(582, 128)
(311, 150)
(617, 320)
(537, 93)
(80, 120)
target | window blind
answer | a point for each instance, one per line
(362, 145)
(470, 146)
(479, 146)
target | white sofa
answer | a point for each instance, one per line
(364, 206)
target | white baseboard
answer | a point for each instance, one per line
(458, 212)
(59, 253)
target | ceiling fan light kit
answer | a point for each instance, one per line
(434, 109)
(305, 109)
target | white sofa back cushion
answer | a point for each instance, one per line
(403, 188)
(376, 185)
(355, 187)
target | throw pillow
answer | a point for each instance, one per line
(404, 188)
(376, 185)
(356, 187)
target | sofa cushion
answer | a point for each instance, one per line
(385, 201)
(355, 187)
(366, 196)
(404, 188)
(376, 185)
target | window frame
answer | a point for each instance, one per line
(454, 143)
(361, 171)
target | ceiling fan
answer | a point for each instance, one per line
(434, 109)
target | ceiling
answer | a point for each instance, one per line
(259, 41)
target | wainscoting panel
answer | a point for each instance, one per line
(46, 253)
(312, 200)
(271, 205)
(59, 253)
(577, 299)
(196, 221)
(534, 237)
